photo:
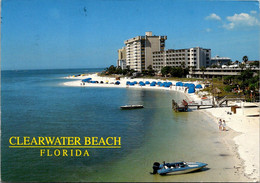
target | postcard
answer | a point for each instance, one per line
(129, 91)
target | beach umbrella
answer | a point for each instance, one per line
(198, 86)
(135, 82)
(159, 83)
(147, 82)
(117, 83)
(132, 84)
(186, 84)
(191, 85)
(152, 84)
(179, 84)
(86, 80)
(128, 82)
(191, 90)
(170, 83)
(142, 84)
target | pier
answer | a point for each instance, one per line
(184, 105)
(181, 107)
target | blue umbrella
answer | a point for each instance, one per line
(198, 86)
(191, 90)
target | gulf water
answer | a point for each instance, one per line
(36, 103)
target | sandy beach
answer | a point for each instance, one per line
(242, 127)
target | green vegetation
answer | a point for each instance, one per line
(246, 84)
(175, 71)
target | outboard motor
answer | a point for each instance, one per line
(156, 166)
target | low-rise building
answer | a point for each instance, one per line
(193, 57)
(219, 61)
(217, 72)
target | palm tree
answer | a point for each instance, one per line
(245, 59)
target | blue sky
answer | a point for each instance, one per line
(50, 34)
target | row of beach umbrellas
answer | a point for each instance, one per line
(191, 87)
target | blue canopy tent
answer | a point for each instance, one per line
(191, 90)
(167, 85)
(191, 85)
(117, 83)
(86, 80)
(186, 84)
(179, 84)
(198, 86)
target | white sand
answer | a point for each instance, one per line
(248, 140)
(248, 127)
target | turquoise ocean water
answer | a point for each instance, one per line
(35, 103)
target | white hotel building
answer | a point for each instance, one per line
(193, 57)
(139, 50)
(142, 51)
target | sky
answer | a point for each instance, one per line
(53, 34)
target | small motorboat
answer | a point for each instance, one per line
(177, 167)
(132, 107)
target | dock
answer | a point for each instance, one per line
(181, 107)
(184, 105)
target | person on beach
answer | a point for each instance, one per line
(220, 124)
(224, 125)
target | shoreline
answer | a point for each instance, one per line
(243, 131)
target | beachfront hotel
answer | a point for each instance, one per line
(139, 51)
(142, 51)
(193, 57)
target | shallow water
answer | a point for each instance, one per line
(35, 104)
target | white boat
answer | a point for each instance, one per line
(132, 107)
(177, 167)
